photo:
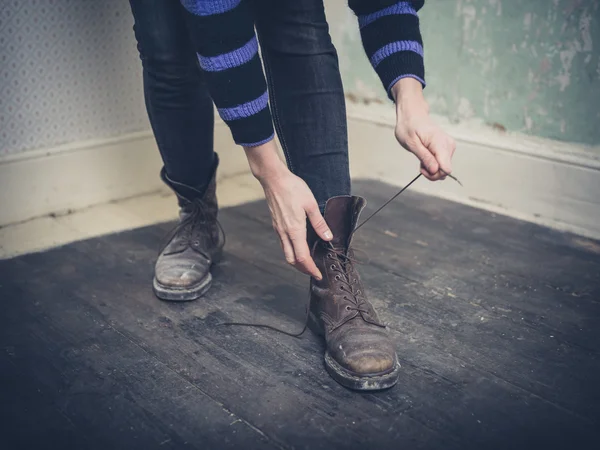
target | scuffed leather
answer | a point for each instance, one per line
(354, 334)
(192, 247)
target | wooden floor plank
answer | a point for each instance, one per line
(530, 358)
(110, 391)
(269, 382)
(494, 334)
(426, 343)
(528, 255)
(255, 294)
(29, 414)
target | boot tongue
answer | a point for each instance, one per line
(341, 214)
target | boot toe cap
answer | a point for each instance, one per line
(365, 354)
(180, 273)
(180, 277)
(371, 363)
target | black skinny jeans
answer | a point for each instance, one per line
(305, 92)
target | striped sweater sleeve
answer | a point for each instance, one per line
(222, 32)
(391, 38)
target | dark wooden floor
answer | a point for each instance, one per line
(497, 324)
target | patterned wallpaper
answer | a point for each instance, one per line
(69, 71)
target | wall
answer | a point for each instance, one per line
(74, 132)
(73, 125)
(525, 66)
(69, 72)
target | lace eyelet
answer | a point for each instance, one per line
(347, 307)
(333, 267)
(329, 255)
(358, 292)
(196, 243)
(337, 277)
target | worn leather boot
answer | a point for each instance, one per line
(360, 354)
(182, 271)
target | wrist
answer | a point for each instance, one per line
(409, 98)
(264, 161)
(407, 89)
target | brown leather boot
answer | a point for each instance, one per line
(182, 271)
(360, 354)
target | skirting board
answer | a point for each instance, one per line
(538, 180)
(546, 182)
(82, 174)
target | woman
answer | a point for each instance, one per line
(308, 111)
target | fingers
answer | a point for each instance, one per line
(290, 203)
(303, 261)
(288, 249)
(296, 251)
(318, 222)
(428, 160)
(438, 146)
(435, 177)
(442, 147)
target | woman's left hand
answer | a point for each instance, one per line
(418, 134)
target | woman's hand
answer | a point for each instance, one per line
(417, 133)
(290, 202)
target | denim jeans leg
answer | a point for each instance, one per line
(177, 101)
(306, 93)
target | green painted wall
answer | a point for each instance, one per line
(531, 66)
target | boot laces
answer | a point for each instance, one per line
(347, 276)
(197, 216)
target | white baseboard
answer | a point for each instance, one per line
(538, 180)
(546, 182)
(82, 174)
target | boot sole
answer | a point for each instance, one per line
(348, 379)
(358, 383)
(183, 294)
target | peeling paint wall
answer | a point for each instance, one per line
(527, 66)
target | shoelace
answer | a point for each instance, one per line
(307, 314)
(346, 269)
(196, 215)
(354, 297)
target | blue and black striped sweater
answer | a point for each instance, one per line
(227, 48)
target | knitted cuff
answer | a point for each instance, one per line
(223, 36)
(253, 130)
(400, 65)
(392, 39)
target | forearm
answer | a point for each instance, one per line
(264, 161)
(227, 49)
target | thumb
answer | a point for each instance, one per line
(318, 222)
(442, 149)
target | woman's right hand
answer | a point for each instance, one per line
(290, 201)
